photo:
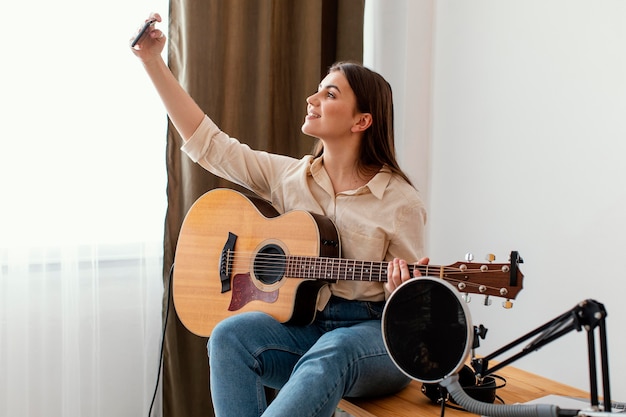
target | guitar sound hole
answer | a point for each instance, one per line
(269, 264)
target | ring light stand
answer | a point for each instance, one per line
(427, 330)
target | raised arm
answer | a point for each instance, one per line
(183, 111)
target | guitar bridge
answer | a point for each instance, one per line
(225, 269)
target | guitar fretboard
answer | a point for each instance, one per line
(343, 269)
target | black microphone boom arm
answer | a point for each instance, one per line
(588, 314)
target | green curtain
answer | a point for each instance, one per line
(249, 64)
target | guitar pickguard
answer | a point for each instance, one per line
(244, 291)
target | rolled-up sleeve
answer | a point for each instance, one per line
(198, 144)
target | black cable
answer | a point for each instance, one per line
(443, 407)
(167, 313)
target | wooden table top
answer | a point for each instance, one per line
(521, 386)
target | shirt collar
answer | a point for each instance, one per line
(376, 185)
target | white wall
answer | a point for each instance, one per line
(526, 142)
(401, 51)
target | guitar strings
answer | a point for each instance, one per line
(278, 261)
(272, 264)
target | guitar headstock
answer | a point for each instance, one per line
(487, 278)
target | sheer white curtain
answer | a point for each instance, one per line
(82, 179)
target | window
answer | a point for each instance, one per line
(82, 177)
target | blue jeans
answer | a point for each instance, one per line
(341, 354)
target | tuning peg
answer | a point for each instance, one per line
(469, 257)
(490, 257)
(507, 304)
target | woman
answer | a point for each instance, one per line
(354, 179)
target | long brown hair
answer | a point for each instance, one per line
(374, 96)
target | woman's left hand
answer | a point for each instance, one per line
(398, 272)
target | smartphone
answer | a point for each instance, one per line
(142, 32)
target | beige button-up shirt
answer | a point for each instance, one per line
(380, 221)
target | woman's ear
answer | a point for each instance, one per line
(363, 122)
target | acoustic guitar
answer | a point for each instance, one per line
(236, 253)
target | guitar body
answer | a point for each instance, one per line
(222, 247)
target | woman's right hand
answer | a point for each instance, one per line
(183, 111)
(151, 44)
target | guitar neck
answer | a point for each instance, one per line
(501, 280)
(346, 269)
